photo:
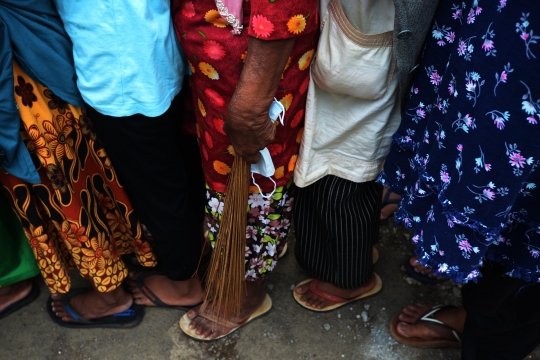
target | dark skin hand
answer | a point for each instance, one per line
(247, 122)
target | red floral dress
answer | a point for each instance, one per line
(216, 59)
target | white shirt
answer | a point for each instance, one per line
(352, 106)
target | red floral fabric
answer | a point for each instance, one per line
(216, 59)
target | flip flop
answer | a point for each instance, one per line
(284, 251)
(32, 295)
(425, 279)
(426, 343)
(126, 319)
(153, 297)
(387, 201)
(375, 255)
(339, 302)
(265, 307)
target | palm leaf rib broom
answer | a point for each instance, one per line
(225, 283)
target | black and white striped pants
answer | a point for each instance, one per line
(337, 223)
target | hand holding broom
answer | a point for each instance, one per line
(251, 130)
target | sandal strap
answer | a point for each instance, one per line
(325, 295)
(150, 295)
(386, 199)
(430, 318)
(66, 299)
(225, 323)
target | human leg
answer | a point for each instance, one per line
(336, 224)
(268, 224)
(163, 198)
(503, 317)
(18, 263)
(78, 216)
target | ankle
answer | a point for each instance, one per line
(116, 297)
(188, 287)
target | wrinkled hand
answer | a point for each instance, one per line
(250, 130)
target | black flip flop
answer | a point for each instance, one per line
(153, 297)
(425, 279)
(32, 295)
(123, 320)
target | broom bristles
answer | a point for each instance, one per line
(225, 283)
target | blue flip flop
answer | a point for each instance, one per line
(126, 319)
(32, 295)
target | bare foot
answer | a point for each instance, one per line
(419, 268)
(408, 327)
(93, 304)
(389, 209)
(255, 296)
(174, 293)
(318, 302)
(13, 293)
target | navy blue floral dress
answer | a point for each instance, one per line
(465, 158)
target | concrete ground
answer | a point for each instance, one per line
(288, 332)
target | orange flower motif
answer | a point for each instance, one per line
(38, 145)
(201, 108)
(286, 101)
(213, 17)
(117, 223)
(218, 124)
(191, 67)
(208, 140)
(262, 26)
(221, 167)
(209, 70)
(280, 172)
(105, 203)
(188, 10)
(253, 189)
(305, 60)
(243, 56)
(57, 135)
(230, 150)
(213, 49)
(304, 85)
(296, 24)
(292, 163)
(299, 135)
(296, 120)
(286, 67)
(98, 253)
(72, 234)
(142, 247)
(214, 97)
(38, 240)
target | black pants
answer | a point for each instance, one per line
(503, 317)
(336, 223)
(148, 156)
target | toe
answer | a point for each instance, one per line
(192, 314)
(403, 329)
(302, 289)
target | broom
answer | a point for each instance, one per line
(225, 283)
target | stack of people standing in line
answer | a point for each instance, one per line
(116, 146)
